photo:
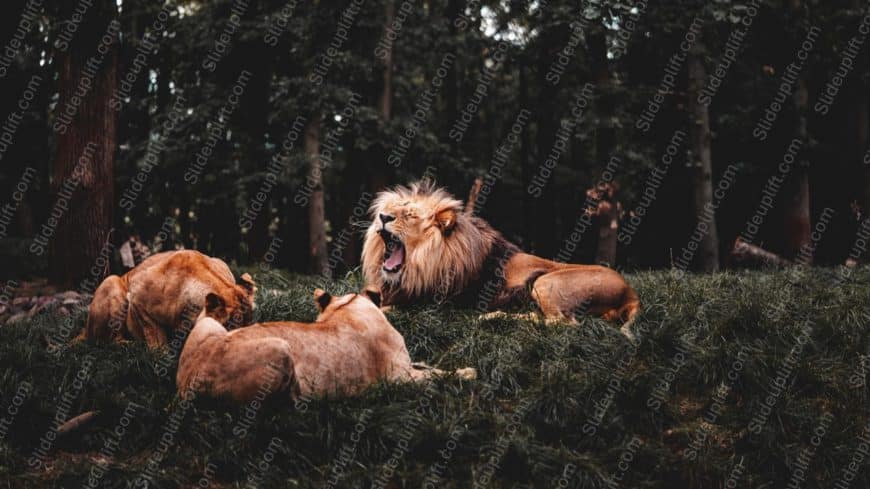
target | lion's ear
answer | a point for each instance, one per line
(247, 283)
(446, 220)
(322, 298)
(214, 305)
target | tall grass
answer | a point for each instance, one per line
(553, 405)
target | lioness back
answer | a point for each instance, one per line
(163, 294)
(342, 354)
(349, 347)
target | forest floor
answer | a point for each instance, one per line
(746, 379)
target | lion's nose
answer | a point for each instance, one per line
(385, 218)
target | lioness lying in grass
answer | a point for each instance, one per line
(350, 346)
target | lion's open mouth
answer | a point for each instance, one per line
(394, 252)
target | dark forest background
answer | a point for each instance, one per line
(621, 48)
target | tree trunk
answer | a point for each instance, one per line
(386, 102)
(546, 236)
(702, 165)
(256, 119)
(607, 214)
(527, 163)
(451, 84)
(863, 127)
(351, 186)
(607, 231)
(317, 251)
(797, 212)
(605, 134)
(87, 142)
(376, 173)
(863, 135)
(605, 144)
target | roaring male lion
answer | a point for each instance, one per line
(350, 346)
(421, 246)
(162, 293)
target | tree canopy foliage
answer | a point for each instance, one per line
(460, 76)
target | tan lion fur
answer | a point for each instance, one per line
(434, 260)
(155, 298)
(449, 253)
(350, 346)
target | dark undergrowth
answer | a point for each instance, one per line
(754, 377)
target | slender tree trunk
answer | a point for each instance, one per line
(527, 163)
(607, 233)
(605, 144)
(864, 155)
(863, 127)
(353, 183)
(257, 120)
(608, 224)
(797, 212)
(546, 235)
(317, 251)
(386, 102)
(85, 152)
(292, 242)
(25, 219)
(452, 88)
(370, 173)
(605, 134)
(378, 173)
(702, 165)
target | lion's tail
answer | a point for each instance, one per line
(629, 311)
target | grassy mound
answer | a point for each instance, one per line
(739, 380)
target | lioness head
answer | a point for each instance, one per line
(421, 242)
(235, 306)
(364, 305)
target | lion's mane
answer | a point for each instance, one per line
(442, 265)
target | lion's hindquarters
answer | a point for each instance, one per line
(547, 293)
(338, 356)
(600, 291)
(242, 370)
(263, 369)
(107, 314)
